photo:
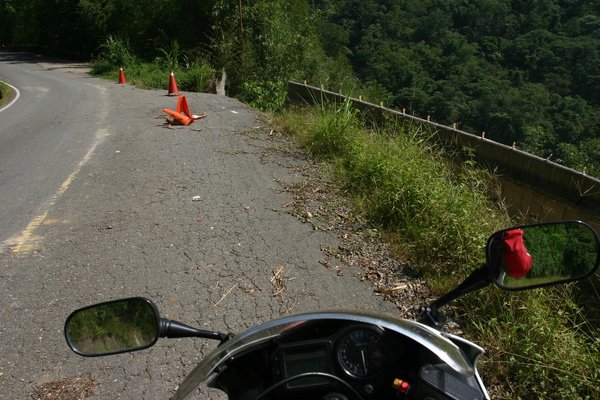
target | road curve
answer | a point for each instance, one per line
(13, 97)
(44, 136)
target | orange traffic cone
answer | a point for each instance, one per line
(173, 91)
(122, 76)
(182, 106)
(182, 119)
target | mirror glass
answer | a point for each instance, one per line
(113, 327)
(542, 255)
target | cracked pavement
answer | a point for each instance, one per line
(195, 218)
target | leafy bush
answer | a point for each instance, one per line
(266, 96)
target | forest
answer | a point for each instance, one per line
(522, 71)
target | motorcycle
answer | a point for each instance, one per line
(343, 355)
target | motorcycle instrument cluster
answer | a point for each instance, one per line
(357, 353)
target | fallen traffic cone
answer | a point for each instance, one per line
(122, 76)
(182, 119)
(173, 91)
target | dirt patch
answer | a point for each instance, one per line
(66, 66)
(65, 389)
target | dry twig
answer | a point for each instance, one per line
(277, 282)
(389, 291)
(226, 294)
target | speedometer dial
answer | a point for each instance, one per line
(360, 352)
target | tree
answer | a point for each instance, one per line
(8, 17)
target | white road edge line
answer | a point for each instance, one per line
(13, 100)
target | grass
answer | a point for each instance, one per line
(5, 92)
(400, 182)
(152, 76)
(540, 345)
(437, 213)
(193, 73)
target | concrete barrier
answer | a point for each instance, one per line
(554, 190)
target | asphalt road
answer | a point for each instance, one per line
(43, 136)
(103, 205)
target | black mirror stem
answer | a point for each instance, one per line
(431, 315)
(173, 329)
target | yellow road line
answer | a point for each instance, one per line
(27, 241)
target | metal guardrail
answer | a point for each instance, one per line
(575, 189)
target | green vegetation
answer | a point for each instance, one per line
(440, 212)
(260, 44)
(193, 71)
(522, 71)
(539, 344)
(5, 92)
(437, 214)
(560, 251)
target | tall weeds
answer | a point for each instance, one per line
(334, 131)
(169, 57)
(539, 344)
(117, 51)
(402, 184)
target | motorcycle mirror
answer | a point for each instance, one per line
(113, 327)
(527, 257)
(540, 255)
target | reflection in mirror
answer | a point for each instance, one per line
(542, 255)
(113, 327)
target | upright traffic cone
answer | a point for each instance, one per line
(122, 76)
(182, 106)
(173, 91)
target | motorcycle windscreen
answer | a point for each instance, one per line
(442, 347)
